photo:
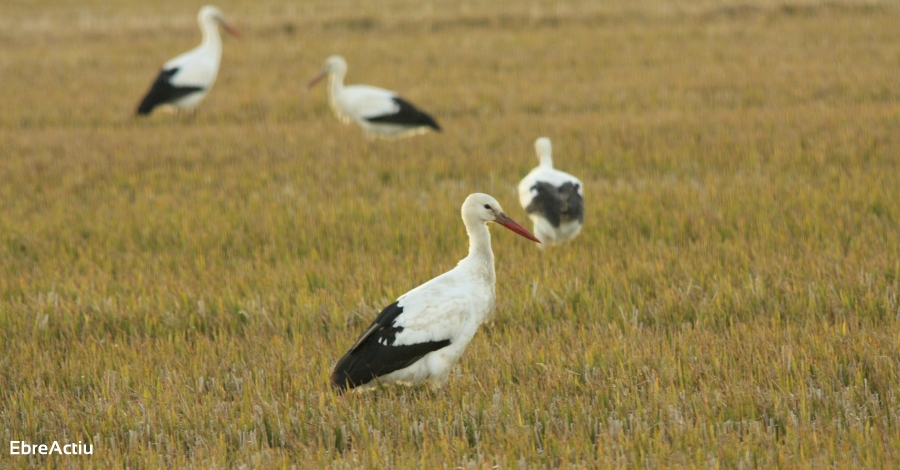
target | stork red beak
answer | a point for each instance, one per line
(511, 224)
(228, 28)
(318, 78)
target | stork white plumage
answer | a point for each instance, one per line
(553, 199)
(380, 112)
(423, 334)
(185, 80)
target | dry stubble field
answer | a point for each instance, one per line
(174, 290)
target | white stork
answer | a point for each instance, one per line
(185, 80)
(552, 198)
(423, 334)
(380, 112)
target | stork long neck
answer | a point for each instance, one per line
(547, 160)
(211, 38)
(335, 84)
(481, 257)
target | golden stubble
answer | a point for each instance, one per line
(175, 289)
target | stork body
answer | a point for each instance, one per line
(421, 336)
(553, 199)
(380, 112)
(185, 80)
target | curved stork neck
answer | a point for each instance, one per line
(480, 260)
(335, 86)
(212, 41)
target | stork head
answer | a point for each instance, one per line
(543, 149)
(481, 208)
(334, 64)
(211, 15)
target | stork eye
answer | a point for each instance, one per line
(487, 206)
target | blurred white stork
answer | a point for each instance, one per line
(185, 80)
(423, 334)
(552, 198)
(380, 112)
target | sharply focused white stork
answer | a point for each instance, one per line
(380, 112)
(552, 198)
(185, 80)
(423, 334)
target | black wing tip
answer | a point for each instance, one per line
(144, 110)
(148, 104)
(428, 121)
(340, 383)
(150, 101)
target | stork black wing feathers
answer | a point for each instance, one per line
(407, 115)
(375, 354)
(162, 91)
(557, 204)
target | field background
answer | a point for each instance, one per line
(175, 289)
